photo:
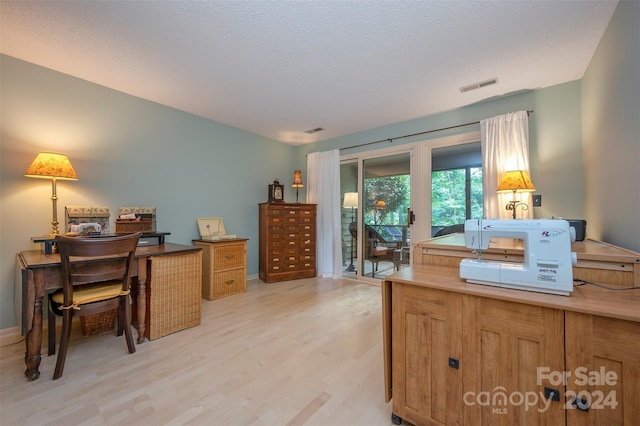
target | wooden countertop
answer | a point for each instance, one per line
(588, 299)
(585, 250)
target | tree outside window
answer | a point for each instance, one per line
(395, 192)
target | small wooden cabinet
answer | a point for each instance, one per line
(287, 246)
(224, 267)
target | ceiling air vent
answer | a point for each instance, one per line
(479, 85)
(317, 129)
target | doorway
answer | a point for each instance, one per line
(375, 215)
(365, 174)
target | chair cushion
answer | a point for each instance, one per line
(89, 293)
(379, 251)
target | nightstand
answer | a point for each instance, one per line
(224, 267)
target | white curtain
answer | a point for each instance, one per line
(323, 180)
(505, 147)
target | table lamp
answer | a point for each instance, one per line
(351, 201)
(379, 205)
(515, 181)
(297, 182)
(52, 166)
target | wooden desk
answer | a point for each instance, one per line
(37, 272)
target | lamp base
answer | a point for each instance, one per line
(512, 205)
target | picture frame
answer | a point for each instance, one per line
(210, 227)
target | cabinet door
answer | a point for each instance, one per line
(603, 360)
(426, 333)
(505, 345)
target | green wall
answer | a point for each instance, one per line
(555, 148)
(127, 152)
(611, 131)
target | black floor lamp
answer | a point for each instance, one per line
(351, 201)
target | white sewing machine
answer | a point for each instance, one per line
(548, 259)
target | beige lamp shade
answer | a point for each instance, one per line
(516, 180)
(297, 179)
(350, 200)
(48, 165)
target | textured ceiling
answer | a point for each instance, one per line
(278, 68)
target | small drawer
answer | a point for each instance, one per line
(229, 256)
(276, 229)
(275, 220)
(291, 228)
(228, 282)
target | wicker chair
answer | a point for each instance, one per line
(377, 249)
(96, 281)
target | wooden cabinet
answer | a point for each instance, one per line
(610, 347)
(460, 353)
(224, 267)
(427, 330)
(287, 246)
(504, 343)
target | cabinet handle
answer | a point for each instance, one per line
(229, 282)
(230, 256)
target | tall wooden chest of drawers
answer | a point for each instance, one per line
(224, 267)
(287, 246)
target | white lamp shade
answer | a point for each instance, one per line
(350, 200)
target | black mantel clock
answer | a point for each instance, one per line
(276, 192)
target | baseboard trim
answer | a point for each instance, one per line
(10, 336)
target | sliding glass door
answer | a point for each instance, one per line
(437, 183)
(375, 215)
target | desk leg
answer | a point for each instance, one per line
(34, 336)
(142, 298)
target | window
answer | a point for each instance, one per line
(456, 186)
(456, 195)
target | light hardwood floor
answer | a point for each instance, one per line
(305, 352)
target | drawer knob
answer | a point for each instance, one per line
(230, 256)
(229, 282)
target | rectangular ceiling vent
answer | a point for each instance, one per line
(317, 129)
(479, 85)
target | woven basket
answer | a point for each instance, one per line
(175, 293)
(97, 323)
(126, 226)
